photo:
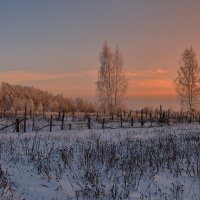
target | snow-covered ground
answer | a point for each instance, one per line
(161, 163)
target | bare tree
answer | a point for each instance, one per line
(120, 83)
(188, 81)
(112, 82)
(104, 89)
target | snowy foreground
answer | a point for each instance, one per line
(143, 163)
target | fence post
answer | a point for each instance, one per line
(33, 125)
(17, 125)
(30, 114)
(190, 118)
(97, 115)
(142, 118)
(130, 113)
(25, 120)
(89, 123)
(131, 121)
(160, 112)
(164, 115)
(181, 115)
(151, 117)
(51, 121)
(137, 114)
(155, 114)
(103, 122)
(63, 117)
(146, 113)
(59, 115)
(43, 112)
(121, 120)
(168, 113)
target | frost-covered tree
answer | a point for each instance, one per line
(16, 97)
(112, 82)
(104, 83)
(120, 81)
(188, 80)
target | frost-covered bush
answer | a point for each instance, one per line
(119, 164)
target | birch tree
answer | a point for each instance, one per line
(188, 81)
(112, 82)
(120, 81)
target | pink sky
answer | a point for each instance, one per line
(142, 83)
(55, 45)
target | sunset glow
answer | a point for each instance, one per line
(141, 83)
(56, 46)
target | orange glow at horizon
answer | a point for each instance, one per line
(142, 83)
(151, 88)
(149, 83)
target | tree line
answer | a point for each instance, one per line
(15, 98)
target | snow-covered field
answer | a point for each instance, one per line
(161, 163)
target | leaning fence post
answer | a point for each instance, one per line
(25, 120)
(51, 120)
(17, 125)
(63, 117)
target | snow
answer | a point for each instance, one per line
(140, 163)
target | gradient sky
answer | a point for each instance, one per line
(55, 45)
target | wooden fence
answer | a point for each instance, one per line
(20, 122)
